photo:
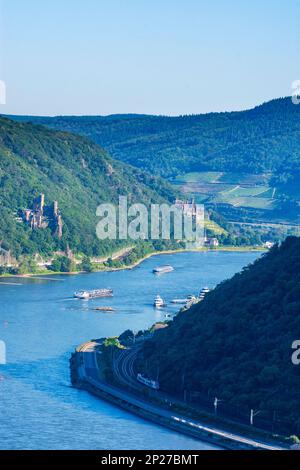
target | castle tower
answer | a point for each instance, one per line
(39, 204)
(33, 222)
(42, 202)
(27, 214)
(55, 208)
(59, 228)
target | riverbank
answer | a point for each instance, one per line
(86, 374)
(231, 249)
(103, 268)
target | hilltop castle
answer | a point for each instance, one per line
(43, 216)
(187, 207)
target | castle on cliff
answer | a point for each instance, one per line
(43, 216)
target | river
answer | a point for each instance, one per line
(41, 325)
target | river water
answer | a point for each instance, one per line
(41, 325)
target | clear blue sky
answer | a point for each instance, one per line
(146, 56)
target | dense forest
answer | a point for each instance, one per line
(236, 344)
(68, 169)
(263, 139)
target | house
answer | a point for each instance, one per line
(213, 242)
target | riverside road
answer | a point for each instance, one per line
(123, 366)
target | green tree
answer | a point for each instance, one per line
(86, 265)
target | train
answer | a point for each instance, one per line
(148, 382)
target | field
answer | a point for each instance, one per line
(237, 190)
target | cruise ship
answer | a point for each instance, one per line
(159, 302)
(93, 294)
(163, 269)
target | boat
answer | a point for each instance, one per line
(191, 298)
(104, 309)
(93, 294)
(179, 301)
(203, 293)
(83, 295)
(159, 302)
(163, 269)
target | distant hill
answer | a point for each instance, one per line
(263, 139)
(236, 344)
(71, 170)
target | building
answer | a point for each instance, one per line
(187, 207)
(42, 216)
(213, 242)
(55, 209)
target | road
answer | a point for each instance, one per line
(124, 370)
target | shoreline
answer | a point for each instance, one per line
(229, 249)
(203, 430)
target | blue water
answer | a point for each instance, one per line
(42, 324)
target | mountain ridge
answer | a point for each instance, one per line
(264, 138)
(262, 105)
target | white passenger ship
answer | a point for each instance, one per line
(159, 302)
(163, 269)
(93, 294)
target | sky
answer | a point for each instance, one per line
(171, 57)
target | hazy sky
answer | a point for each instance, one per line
(146, 56)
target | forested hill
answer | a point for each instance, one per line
(264, 139)
(236, 344)
(68, 169)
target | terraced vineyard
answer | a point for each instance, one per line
(237, 190)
